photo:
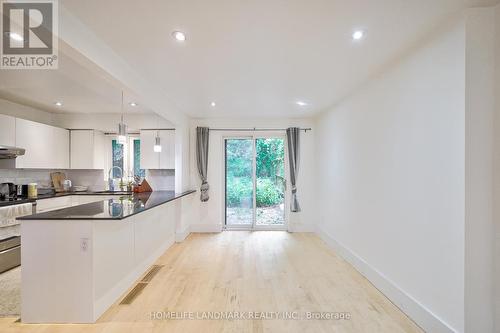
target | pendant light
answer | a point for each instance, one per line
(122, 129)
(157, 146)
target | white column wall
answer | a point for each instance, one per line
(496, 175)
(479, 117)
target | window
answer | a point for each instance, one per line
(137, 159)
(127, 157)
(117, 158)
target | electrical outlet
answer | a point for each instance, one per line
(84, 244)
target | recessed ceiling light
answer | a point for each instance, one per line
(133, 104)
(357, 35)
(212, 104)
(301, 103)
(16, 36)
(58, 103)
(178, 35)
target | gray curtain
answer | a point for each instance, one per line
(293, 138)
(202, 134)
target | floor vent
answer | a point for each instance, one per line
(151, 273)
(136, 291)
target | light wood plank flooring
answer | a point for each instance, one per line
(248, 271)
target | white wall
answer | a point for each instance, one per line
(479, 115)
(496, 202)
(210, 215)
(390, 176)
(182, 158)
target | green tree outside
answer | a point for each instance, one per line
(269, 170)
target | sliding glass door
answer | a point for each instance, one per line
(255, 182)
(270, 182)
(239, 182)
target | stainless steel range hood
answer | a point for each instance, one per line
(7, 152)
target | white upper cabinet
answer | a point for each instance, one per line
(82, 149)
(152, 160)
(61, 148)
(167, 155)
(87, 149)
(149, 159)
(7, 130)
(46, 146)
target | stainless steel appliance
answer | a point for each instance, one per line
(66, 185)
(8, 191)
(10, 232)
(10, 253)
(7, 152)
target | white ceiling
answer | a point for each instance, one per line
(253, 58)
(257, 58)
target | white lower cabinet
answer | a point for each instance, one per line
(152, 228)
(115, 255)
(113, 243)
(45, 205)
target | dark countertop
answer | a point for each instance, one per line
(112, 209)
(15, 202)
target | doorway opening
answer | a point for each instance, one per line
(255, 183)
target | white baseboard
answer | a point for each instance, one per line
(415, 310)
(302, 228)
(180, 236)
(200, 227)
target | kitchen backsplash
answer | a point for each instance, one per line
(92, 178)
(161, 180)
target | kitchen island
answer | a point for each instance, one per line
(78, 261)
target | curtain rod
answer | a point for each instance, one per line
(157, 129)
(142, 129)
(254, 129)
(128, 133)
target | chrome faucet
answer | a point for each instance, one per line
(110, 179)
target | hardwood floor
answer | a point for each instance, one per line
(248, 271)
